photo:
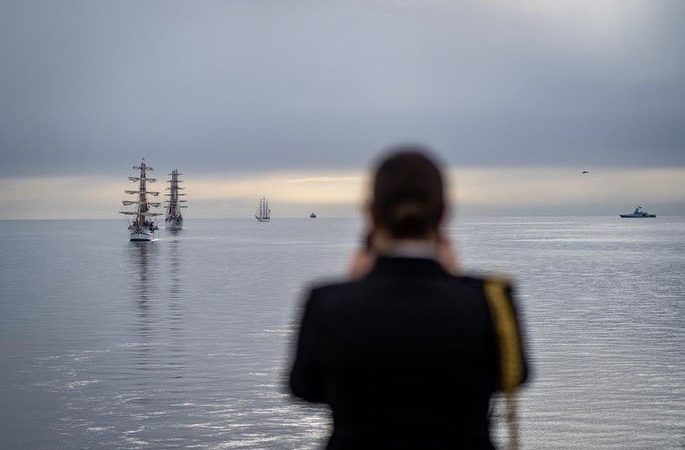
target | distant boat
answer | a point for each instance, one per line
(586, 171)
(638, 214)
(263, 213)
(142, 228)
(174, 218)
(312, 216)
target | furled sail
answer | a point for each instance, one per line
(142, 192)
(131, 202)
(135, 213)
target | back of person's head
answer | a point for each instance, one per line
(408, 194)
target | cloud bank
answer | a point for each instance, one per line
(474, 191)
(262, 86)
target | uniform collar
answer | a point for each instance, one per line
(405, 266)
(412, 249)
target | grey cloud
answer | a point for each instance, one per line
(241, 86)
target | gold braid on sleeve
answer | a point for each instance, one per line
(509, 345)
(506, 333)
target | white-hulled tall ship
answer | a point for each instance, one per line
(263, 213)
(174, 218)
(142, 228)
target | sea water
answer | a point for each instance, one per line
(184, 341)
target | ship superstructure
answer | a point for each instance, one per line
(174, 218)
(638, 214)
(142, 226)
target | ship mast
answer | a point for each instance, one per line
(173, 194)
(142, 195)
(142, 204)
(173, 206)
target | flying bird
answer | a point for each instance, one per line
(586, 171)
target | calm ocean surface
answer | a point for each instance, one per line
(183, 342)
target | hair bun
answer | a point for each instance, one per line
(408, 194)
(409, 218)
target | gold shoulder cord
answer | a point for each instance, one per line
(507, 334)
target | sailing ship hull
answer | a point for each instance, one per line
(262, 219)
(139, 235)
(174, 224)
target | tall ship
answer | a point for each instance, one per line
(638, 214)
(263, 213)
(142, 227)
(174, 218)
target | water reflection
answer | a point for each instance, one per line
(143, 286)
(174, 273)
(176, 338)
(144, 293)
(156, 288)
(607, 364)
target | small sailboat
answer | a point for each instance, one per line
(143, 227)
(312, 216)
(263, 213)
(174, 218)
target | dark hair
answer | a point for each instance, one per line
(408, 193)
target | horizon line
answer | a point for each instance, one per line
(455, 218)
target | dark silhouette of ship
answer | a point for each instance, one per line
(638, 214)
(263, 213)
(174, 218)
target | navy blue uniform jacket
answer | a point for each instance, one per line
(407, 357)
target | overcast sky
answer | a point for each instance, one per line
(249, 88)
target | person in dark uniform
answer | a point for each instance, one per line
(408, 354)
